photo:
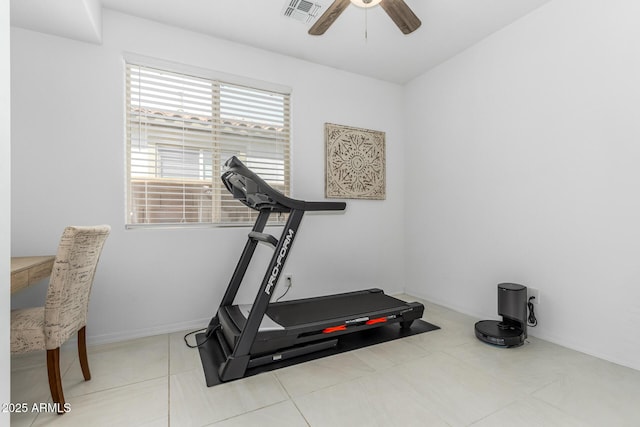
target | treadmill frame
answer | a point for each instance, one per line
(250, 189)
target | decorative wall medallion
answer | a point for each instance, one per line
(355, 163)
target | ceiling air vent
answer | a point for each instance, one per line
(301, 10)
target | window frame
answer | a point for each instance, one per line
(217, 148)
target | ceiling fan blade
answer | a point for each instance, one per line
(402, 15)
(328, 17)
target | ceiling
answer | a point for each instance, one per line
(448, 27)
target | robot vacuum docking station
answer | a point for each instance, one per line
(511, 331)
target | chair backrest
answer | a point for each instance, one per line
(74, 268)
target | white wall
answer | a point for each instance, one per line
(68, 168)
(5, 202)
(523, 166)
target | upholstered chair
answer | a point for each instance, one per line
(65, 311)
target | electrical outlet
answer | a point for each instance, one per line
(288, 280)
(531, 292)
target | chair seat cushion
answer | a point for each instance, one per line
(27, 330)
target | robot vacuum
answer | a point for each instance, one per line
(511, 331)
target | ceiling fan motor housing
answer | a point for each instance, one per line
(365, 3)
(398, 11)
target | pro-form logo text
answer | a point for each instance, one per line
(281, 256)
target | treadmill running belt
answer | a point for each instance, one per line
(331, 307)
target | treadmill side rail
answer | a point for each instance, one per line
(260, 304)
(243, 262)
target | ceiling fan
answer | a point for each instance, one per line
(397, 10)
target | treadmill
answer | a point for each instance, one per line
(247, 336)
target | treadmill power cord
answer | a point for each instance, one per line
(531, 320)
(195, 332)
(287, 290)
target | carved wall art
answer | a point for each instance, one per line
(355, 163)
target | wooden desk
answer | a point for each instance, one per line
(28, 270)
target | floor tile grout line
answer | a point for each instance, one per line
(471, 366)
(295, 404)
(504, 381)
(118, 386)
(363, 375)
(291, 399)
(121, 385)
(244, 413)
(275, 375)
(32, 422)
(168, 380)
(333, 385)
(493, 413)
(544, 386)
(553, 405)
(375, 371)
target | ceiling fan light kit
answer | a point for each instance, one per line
(365, 3)
(397, 10)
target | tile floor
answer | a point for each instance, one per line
(441, 378)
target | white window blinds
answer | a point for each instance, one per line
(180, 130)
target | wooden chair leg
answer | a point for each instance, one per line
(82, 353)
(55, 380)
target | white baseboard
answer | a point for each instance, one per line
(546, 336)
(145, 332)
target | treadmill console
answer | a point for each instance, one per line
(247, 187)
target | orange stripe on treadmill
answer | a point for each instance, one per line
(334, 329)
(378, 320)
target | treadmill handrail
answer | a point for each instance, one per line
(253, 191)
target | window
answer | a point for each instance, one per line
(181, 129)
